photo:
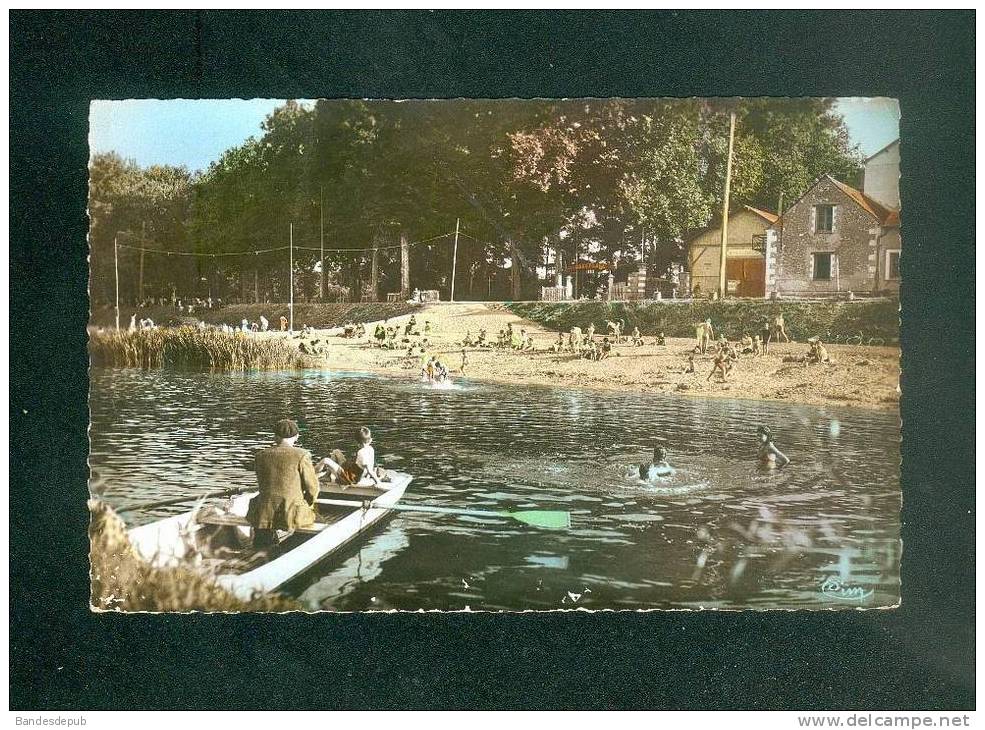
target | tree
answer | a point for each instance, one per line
(142, 208)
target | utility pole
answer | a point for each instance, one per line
(116, 274)
(143, 243)
(404, 265)
(454, 260)
(290, 305)
(321, 226)
(722, 284)
(574, 294)
(780, 213)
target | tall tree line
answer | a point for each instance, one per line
(534, 182)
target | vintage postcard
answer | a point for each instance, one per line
(495, 355)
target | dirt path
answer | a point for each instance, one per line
(859, 376)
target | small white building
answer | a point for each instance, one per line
(881, 176)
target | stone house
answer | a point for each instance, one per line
(745, 267)
(837, 239)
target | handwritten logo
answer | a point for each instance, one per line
(834, 588)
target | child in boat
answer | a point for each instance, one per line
(769, 456)
(361, 469)
(369, 472)
(658, 467)
(340, 470)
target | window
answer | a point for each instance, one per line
(822, 266)
(824, 218)
(892, 264)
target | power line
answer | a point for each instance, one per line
(285, 248)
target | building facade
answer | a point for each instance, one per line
(881, 177)
(745, 268)
(836, 239)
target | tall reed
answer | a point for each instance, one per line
(195, 349)
(122, 581)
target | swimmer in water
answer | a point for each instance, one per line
(658, 467)
(769, 455)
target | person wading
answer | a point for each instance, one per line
(288, 487)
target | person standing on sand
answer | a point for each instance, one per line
(465, 361)
(778, 328)
(288, 487)
(264, 324)
(769, 456)
(766, 336)
(724, 358)
(705, 334)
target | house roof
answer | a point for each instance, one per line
(883, 149)
(716, 222)
(878, 211)
(764, 214)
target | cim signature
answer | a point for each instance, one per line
(834, 588)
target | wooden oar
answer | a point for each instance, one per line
(551, 519)
(188, 498)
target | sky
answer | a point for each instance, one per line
(195, 132)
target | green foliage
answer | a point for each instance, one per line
(149, 207)
(121, 581)
(832, 321)
(589, 179)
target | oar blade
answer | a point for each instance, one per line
(548, 519)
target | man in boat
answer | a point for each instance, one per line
(288, 487)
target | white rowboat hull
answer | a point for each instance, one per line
(166, 543)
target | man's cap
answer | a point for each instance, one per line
(285, 429)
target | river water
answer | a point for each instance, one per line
(719, 533)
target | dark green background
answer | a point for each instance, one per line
(62, 656)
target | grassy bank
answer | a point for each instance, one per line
(191, 348)
(121, 581)
(832, 321)
(319, 316)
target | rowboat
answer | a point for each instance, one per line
(217, 541)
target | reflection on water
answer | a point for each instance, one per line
(719, 532)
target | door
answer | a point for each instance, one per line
(751, 275)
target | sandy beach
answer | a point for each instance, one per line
(858, 375)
